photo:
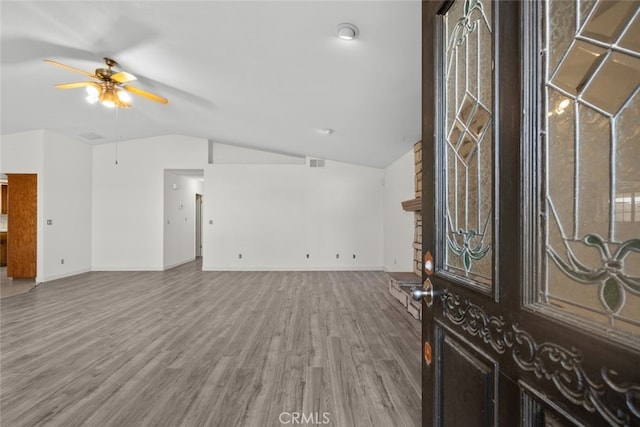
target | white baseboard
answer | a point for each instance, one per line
(184, 261)
(290, 268)
(62, 275)
(398, 268)
(125, 268)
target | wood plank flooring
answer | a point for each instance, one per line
(192, 348)
(10, 287)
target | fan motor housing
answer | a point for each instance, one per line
(104, 73)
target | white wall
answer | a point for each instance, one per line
(67, 203)
(179, 218)
(276, 214)
(22, 152)
(398, 224)
(225, 153)
(273, 214)
(128, 198)
(63, 167)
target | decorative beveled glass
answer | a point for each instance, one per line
(468, 146)
(591, 207)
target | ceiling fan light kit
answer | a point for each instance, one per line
(110, 89)
(92, 94)
(109, 97)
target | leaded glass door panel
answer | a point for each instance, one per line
(468, 150)
(591, 166)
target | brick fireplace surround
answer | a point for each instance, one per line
(400, 283)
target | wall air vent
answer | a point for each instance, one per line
(316, 163)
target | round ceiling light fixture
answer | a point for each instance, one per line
(347, 31)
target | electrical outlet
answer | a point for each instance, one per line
(307, 256)
(49, 222)
(337, 256)
(210, 221)
(354, 256)
(239, 256)
(62, 261)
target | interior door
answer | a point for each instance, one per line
(531, 178)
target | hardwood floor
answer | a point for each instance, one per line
(10, 287)
(192, 348)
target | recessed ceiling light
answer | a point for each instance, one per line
(347, 31)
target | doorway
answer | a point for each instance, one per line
(180, 217)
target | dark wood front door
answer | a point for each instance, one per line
(531, 213)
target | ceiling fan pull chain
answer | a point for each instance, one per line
(116, 112)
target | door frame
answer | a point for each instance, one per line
(198, 225)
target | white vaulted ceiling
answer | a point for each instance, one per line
(268, 74)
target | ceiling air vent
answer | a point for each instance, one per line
(91, 136)
(316, 163)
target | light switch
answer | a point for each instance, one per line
(49, 222)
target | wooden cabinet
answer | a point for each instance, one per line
(4, 206)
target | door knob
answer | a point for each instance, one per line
(423, 292)
(419, 292)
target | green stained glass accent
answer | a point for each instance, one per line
(611, 295)
(609, 275)
(469, 249)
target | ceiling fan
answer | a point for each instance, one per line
(110, 89)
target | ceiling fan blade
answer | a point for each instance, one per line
(174, 92)
(146, 94)
(123, 77)
(76, 85)
(70, 68)
(16, 50)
